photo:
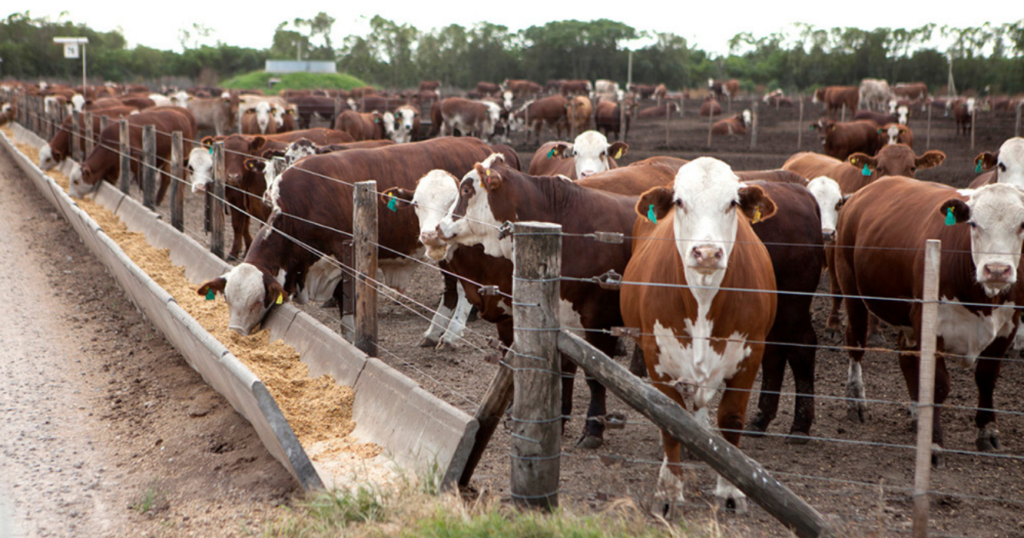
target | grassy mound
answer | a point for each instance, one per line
(292, 81)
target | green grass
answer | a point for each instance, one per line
(292, 81)
(151, 499)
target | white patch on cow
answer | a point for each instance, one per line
(352, 103)
(670, 487)
(321, 278)
(893, 135)
(706, 219)
(397, 273)
(388, 120)
(77, 187)
(970, 105)
(478, 226)
(903, 114)
(696, 370)
(966, 334)
(50, 105)
(893, 103)
(747, 118)
(725, 491)
(263, 112)
(458, 319)
(997, 214)
(440, 322)
(590, 151)
(77, 102)
(828, 195)
(711, 83)
(855, 383)
(404, 122)
(435, 194)
(245, 293)
(200, 169)
(46, 160)
(180, 98)
(507, 100)
(1010, 165)
(160, 100)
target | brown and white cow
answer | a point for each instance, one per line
(578, 112)
(494, 193)
(895, 133)
(882, 232)
(548, 111)
(57, 150)
(470, 118)
(727, 88)
(1003, 166)
(403, 125)
(736, 125)
(488, 88)
(214, 113)
(963, 113)
(361, 126)
(522, 89)
(914, 91)
(259, 120)
(608, 118)
(839, 140)
(276, 266)
(694, 340)
(570, 88)
(837, 97)
(589, 154)
(105, 163)
(710, 107)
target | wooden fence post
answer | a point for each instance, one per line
(104, 122)
(1016, 128)
(148, 166)
(90, 135)
(928, 131)
(125, 180)
(622, 120)
(572, 119)
(536, 405)
(77, 137)
(800, 124)
(364, 245)
(711, 117)
(337, 110)
(753, 124)
(926, 387)
(668, 118)
(177, 183)
(974, 121)
(217, 202)
(842, 118)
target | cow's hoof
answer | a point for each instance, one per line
(798, 438)
(428, 342)
(757, 426)
(938, 458)
(589, 441)
(834, 327)
(855, 412)
(988, 439)
(736, 505)
(445, 345)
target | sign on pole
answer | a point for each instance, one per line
(71, 50)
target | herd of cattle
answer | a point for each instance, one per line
(698, 239)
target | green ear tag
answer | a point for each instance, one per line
(210, 295)
(865, 171)
(950, 219)
(650, 214)
(211, 150)
(393, 203)
(977, 168)
(551, 153)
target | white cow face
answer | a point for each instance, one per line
(507, 100)
(200, 168)
(77, 102)
(249, 292)
(592, 153)
(77, 187)
(47, 158)
(708, 200)
(389, 125)
(263, 114)
(302, 147)
(405, 118)
(902, 114)
(830, 198)
(180, 98)
(892, 106)
(747, 118)
(996, 216)
(1008, 162)
(435, 194)
(470, 221)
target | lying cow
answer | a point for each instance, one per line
(736, 125)
(589, 154)
(665, 109)
(710, 107)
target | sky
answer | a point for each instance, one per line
(705, 24)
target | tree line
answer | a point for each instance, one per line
(400, 55)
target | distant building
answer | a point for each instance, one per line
(291, 66)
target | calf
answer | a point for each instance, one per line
(881, 234)
(693, 339)
(589, 154)
(839, 140)
(736, 125)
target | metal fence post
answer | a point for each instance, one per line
(364, 236)
(926, 387)
(177, 183)
(125, 180)
(217, 202)
(148, 166)
(536, 404)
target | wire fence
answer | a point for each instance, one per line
(851, 488)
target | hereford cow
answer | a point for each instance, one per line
(589, 154)
(470, 118)
(874, 94)
(215, 113)
(963, 113)
(608, 119)
(59, 147)
(259, 120)
(141, 103)
(522, 89)
(1003, 166)
(488, 88)
(777, 99)
(577, 112)
(728, 89)
(665, 109)
(361, 126)
(736, 125)
(321, 107)
(570, 88)
(602, 85)
(837, 97)
(881, 234)
(914, 91)
(694, 340)
(404, 125)
(494, 193)
(710, 107)
(839, 140)
(362, 91)
(894, 133)
(278, 267)
(553, 85)
(549, 111)
(660, 91)
(104, 162)
(642, 91)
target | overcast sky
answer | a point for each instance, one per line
(705, 24)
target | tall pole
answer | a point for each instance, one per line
(926, 388)
(84, 96)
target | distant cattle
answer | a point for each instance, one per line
(548, 111)
(431, 85)
(570, 88)
(710, 107)
(895, 133)
(642, 91)
(874, 94)
(777, 98)
(470, 118)
(488, 88)
(522, 89)
(839, 140)
(736, 125)
(728, 88)
(915, 91)
(665, 109)
(361, 126)
(963, 113)
(578, 112)
(608, 118)
(837, 98)
(589, 154)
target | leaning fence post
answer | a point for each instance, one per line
(126, 154)
(928, 132)
(926, 386)
(364, 239)
(177, 183)
(536, 404)
(800, 124)
(217, 202)
(148, 166)
(753, 124)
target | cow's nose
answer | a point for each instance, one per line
(999, 272)
(828, 235)
(430, 238)
(586, 173)
(707, 255)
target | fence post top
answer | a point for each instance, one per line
(537, 227)
(372, 183)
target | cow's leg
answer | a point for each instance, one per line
(986, 373)
(773, 369)
(910, 365)
(856, 336)
(443, 316)
(458, 323)
(593, 429)
(165, 181)
(802, 362)
(239, 220)
(669, 490)
(731, 414)
(636, 363)
(834, 323)
(875, 337)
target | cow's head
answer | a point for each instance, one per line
(592, 152)
(405, 123)
(708, 200)
(711, 83)
(819, 96)
(747, 118)
(249, 292)
(897, 160)
(891, 133)
(830, 199)
(200, 165)
(49, 157)
(82, 181)
(480, 210)
(506, 100)
(263, 112)
(902, 114)
(435, 194)
(298, 149)
(77, 102)
(996, 217)
(824, 126)
(1008, 162)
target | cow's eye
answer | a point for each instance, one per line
(1002, 167)
(973, 224)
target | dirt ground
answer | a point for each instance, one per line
(859, 474)
(106, 430)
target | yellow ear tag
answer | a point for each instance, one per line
(280, 299)
(618, 154)
(757, 216)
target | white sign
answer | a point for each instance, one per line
(71, 50)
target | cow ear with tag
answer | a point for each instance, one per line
(864, 163)
(755, 203)
(215, 286)
(396, 197)
(955, 211)
(656, 202)
(986, 161)
(563, 150)
(617, 150)
(490, 179)
(930, 159)
(275, 292)
(207, 141)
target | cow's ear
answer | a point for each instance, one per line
(862, 161)
(930, 159)
(216, 286)
(396, 197)
(814, 126)
(961, 211)
(489, 178)
(207, 141)
(617, 150)
(275, 292)
(986, 161)
(881, 131)
(256, 144)
(564, 150)
(831, 127)
(656, 202)
(755, 203)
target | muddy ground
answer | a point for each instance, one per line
(859, 474)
